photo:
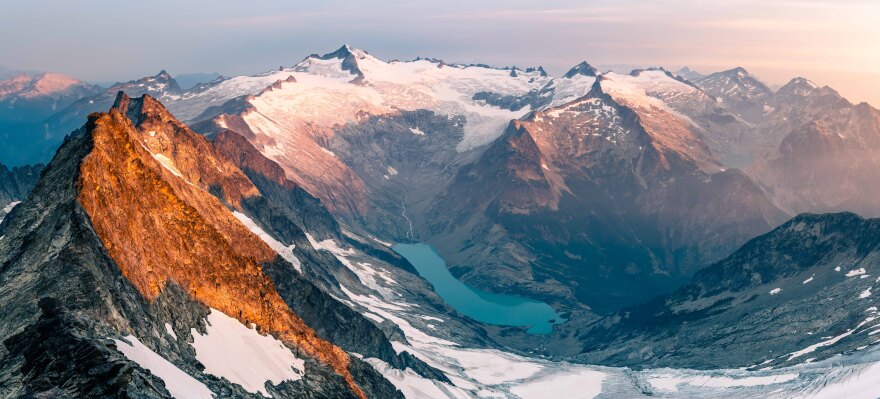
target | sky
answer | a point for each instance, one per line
(835, 43)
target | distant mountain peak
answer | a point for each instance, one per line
(348, 56)
(42, 85)
(739, 71)
(689, 74)
(798, 86)
(344, 52)
(583, 68)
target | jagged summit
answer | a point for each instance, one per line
(689, 74)
(798, 86)
(803, 88)
(152, 215)
(583, 68)
(345, 51)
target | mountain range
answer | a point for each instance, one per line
(238, 239)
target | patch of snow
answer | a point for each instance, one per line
(170, 331)
(168, 164)
(855, 272)
(415, 386)
(285, 251)
(673, 382)
(837, 269)
(578, 384)
(866, 293)
(368, 274)
(243, 356)
(8, 208)
(417, 131)
(775, 291)
(809, 279)
(830, 341)
(860, 383)
(181, 385)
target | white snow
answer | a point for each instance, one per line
(830, 341)
(168, 164)
(8, 208)
(672, 382)
(569, 89)
(366, 272)
(323, 96)
(285, 251)
(837, 269)
(417, 131)
(415, 386)
(170, 331)
(860, 383)
(809, 279)
(775, 291)
(578, 384)
(181, 385)
(866, 293)
(243, 356)
(855, 272)
(645, 89)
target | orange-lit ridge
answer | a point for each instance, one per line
(158, 227)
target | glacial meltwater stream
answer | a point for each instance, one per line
(486, 307)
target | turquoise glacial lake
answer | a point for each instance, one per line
(486, 307)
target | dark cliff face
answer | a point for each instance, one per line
(770, 301)
(16, 183)
(129, 182)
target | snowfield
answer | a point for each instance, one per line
(243, 356)
(181, 385)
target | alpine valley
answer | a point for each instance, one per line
(350, 227)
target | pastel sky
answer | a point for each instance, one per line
(830, 42)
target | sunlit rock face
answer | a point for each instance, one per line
(127, 188)
(137, 231)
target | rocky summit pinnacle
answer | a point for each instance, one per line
(583, 68)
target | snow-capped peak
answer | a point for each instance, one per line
(163, 74)
(342, 63)
(44, 84)
(583, 68)
(799, 87)
(343, 52)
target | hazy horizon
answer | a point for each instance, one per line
(830, 43)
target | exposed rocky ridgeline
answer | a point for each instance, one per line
(802, 291)
(740, 92)
(135, 211)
